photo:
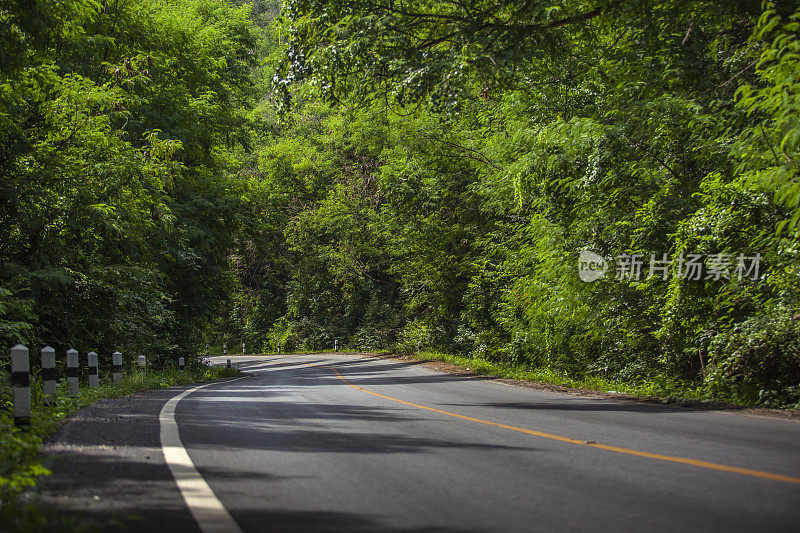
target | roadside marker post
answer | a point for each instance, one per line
(21, 380)
(242, 348)
(336, 345)
(94, 377)
(181, 363)
(72, 371)
(116, 360)
(229, 363)
(141, 361)
(224, 349)
(48, 375)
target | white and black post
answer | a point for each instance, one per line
(73, 372)
(21, 379)
(116, 360)
(224, 349)
(94, 377)
(48, 375)
(242, 348)
(181, 363)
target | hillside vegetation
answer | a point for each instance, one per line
(395, 174)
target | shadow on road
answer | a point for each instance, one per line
(108, 467)
(368, 373)
(582, 404)
(306, 427)
(328, 522)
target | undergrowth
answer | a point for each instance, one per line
(664, 388)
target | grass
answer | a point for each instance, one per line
(664, 388)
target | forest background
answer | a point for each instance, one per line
(391, 174)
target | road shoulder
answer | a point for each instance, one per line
(107, 467)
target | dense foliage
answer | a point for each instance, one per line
(119, 128)
(388, 173)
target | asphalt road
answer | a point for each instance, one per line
(343, 443)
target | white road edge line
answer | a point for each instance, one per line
(211, 515)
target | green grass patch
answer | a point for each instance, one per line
(664, 388)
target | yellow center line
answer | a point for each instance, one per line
(568, 440)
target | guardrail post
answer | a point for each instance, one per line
(94, 377)
(181, 363)
(73, 372)
(48, 375)
(116, 360)
(21, 379)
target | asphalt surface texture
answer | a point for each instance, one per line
(336, 443)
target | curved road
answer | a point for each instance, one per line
(346, 443)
